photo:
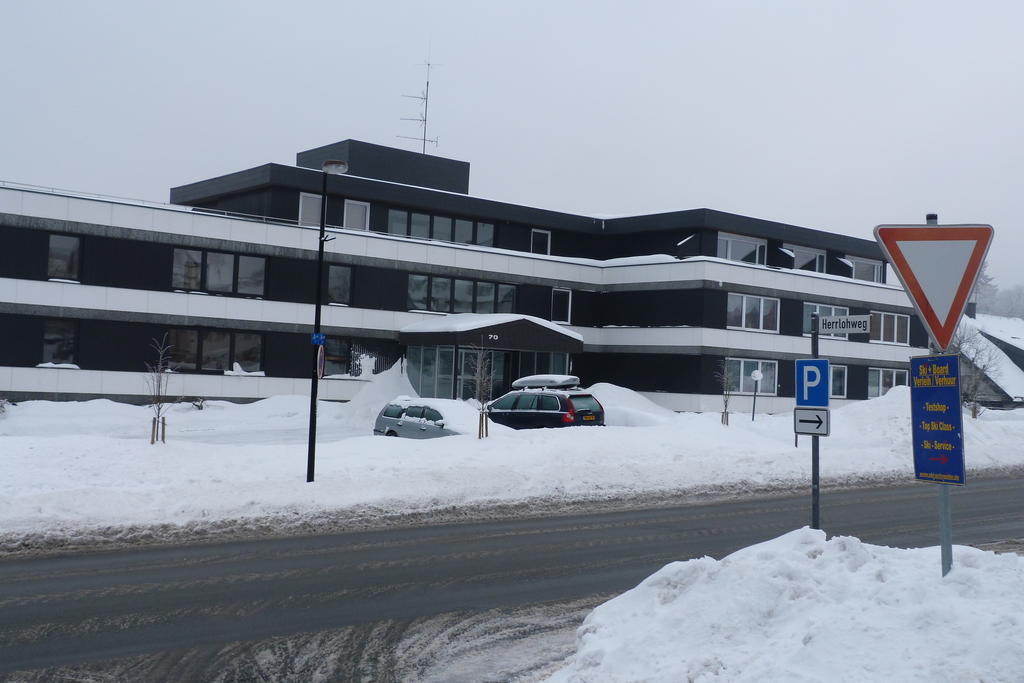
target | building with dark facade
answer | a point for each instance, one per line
(669, 304)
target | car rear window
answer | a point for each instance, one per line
(393, 411)
(585, 402)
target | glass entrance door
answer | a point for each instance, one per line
(482, 374)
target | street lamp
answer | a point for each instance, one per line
(757, 376)
(329, 167)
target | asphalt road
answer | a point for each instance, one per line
(395, 604)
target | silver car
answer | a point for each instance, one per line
(412, 420)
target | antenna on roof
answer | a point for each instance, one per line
(423, 97)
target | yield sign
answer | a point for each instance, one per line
(937, 266)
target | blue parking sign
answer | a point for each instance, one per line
(812, 382)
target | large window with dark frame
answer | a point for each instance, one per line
(59, 341)
(458, 295)
(881, 380)
(441, 228)
(739, 376)
(62, 261)
(890, 328)
(356, 215)
(749, 312)
(741, 248)
(217, 272)
(215, 350)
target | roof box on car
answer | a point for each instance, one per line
(547, 382)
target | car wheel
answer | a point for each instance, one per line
(391, 433)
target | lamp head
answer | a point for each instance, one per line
(335, 167)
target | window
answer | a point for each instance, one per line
(561, 305)
(837, 388)
(220, 272)
(187, 272)
(213, 271)
(431, 370)
(59, 337)
(540, 241)
(337, 352)
(864, 269)
(463, 231)
(251, 273)
(417, 299)
(824, 311)
(445, 295)
(752, 313)
(215, 350)
(738, 373)
(890, 328)
(184, 348)
(398, 222)
(881, 380)
(805, 258)
(62, 263)
(485, 234)
(442, 228)
(440, 294)
(542, 363)
(357, 215)
(506, 299)
(463, 296)
(339, 284)
(309, 209)
(485, 297)
(737, 248)
(419, 225)
(547, 402)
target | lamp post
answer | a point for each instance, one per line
(757, 376)
(329, 167)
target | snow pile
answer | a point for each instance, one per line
(803, 608)
(359, 413)
(626, 408)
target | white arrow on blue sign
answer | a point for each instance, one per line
(812, 380)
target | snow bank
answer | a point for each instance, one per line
(70, 467)
(803, 608)
(626, 408)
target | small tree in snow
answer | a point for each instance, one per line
(157, 376)
(480, 372)
(981, 366)
(726, 377)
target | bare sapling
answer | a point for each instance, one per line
(157, 377)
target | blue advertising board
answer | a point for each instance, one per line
(812, 380)
(937, 429)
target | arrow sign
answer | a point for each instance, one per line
(813, 421)
(816, 421)
(937, 266)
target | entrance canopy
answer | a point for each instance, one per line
(508, 331)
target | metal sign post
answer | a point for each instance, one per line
(812, 392)
(937, 433)
(938, 266)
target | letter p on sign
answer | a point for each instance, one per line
(812, 380)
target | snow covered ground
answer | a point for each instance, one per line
(803, 608)
(86, 471)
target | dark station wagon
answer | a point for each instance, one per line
(546, 401)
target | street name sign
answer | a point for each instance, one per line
(843, 324)
(812, 380)
(937, 429)
(938, 266)
(813, 421)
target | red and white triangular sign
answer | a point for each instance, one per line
(937, 266)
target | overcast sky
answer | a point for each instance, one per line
(830, 115)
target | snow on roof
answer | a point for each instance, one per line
(463, 322)
(1006, 374)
